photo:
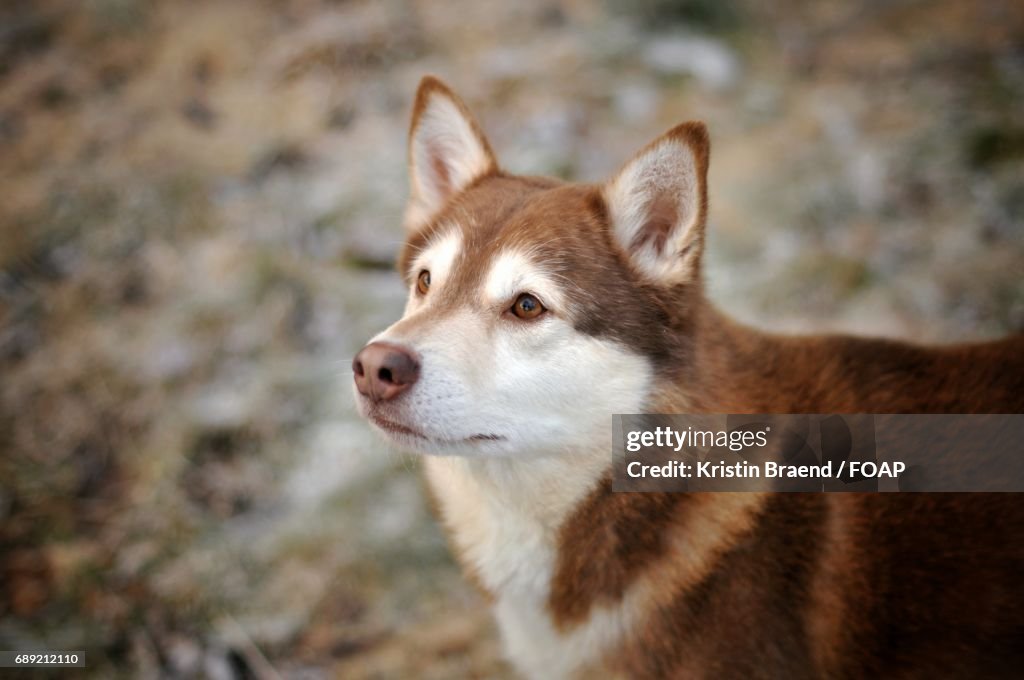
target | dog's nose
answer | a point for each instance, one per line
(383, 371)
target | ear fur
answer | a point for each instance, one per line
(658, 205)
(447, 151)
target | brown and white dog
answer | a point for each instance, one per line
(539, 308)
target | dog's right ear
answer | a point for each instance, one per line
(447, 151)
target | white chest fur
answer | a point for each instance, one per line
(504, 517)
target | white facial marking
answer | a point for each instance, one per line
(512, 273)
(438, 257)
(502, 387)
(491, 385)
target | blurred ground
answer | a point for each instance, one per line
(200, 204)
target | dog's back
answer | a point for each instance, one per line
(740, 371)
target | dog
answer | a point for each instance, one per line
(537, 309)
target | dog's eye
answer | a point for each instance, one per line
(527, 307)
(423, 282)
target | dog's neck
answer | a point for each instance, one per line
(513, 502)
(506, 520)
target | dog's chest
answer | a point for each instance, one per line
(509, 545)
(507, 549)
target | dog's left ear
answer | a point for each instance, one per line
(447, 151)
(658, 204)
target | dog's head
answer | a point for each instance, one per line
(536, 308)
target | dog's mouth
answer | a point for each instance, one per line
(395, 428)
(401, 431)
